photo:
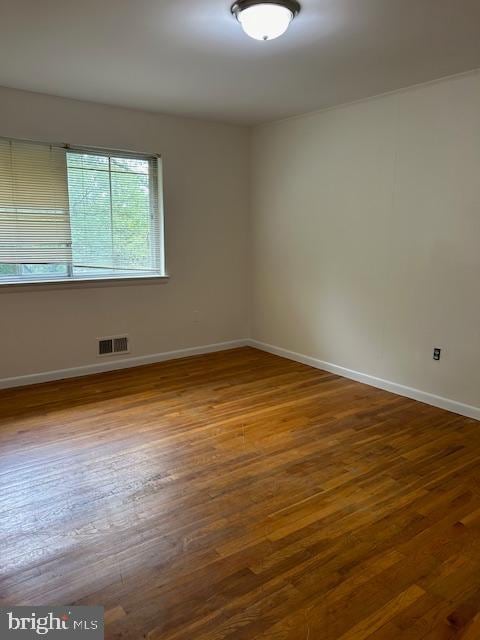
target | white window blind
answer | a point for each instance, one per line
(34, 207)
(78, 213)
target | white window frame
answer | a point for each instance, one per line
(158, 225)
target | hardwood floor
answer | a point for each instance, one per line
(243, 496)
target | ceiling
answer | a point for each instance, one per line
(191, 57)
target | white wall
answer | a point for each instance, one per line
(206, 189)
(366, 236)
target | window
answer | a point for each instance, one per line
(75, 214)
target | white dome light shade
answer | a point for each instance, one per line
(265, 20)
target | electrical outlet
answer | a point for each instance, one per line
(436, 353)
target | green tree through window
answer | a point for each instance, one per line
(110, 211)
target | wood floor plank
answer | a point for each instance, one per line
(240, 495)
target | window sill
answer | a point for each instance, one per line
(74, 283)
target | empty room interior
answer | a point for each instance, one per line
(240, 319)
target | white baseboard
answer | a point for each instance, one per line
(387, 385)
(125, 363)
(113, 365)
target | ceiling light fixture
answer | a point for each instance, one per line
(265, 19)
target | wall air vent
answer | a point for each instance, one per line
(120, 345)
(112, 346)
